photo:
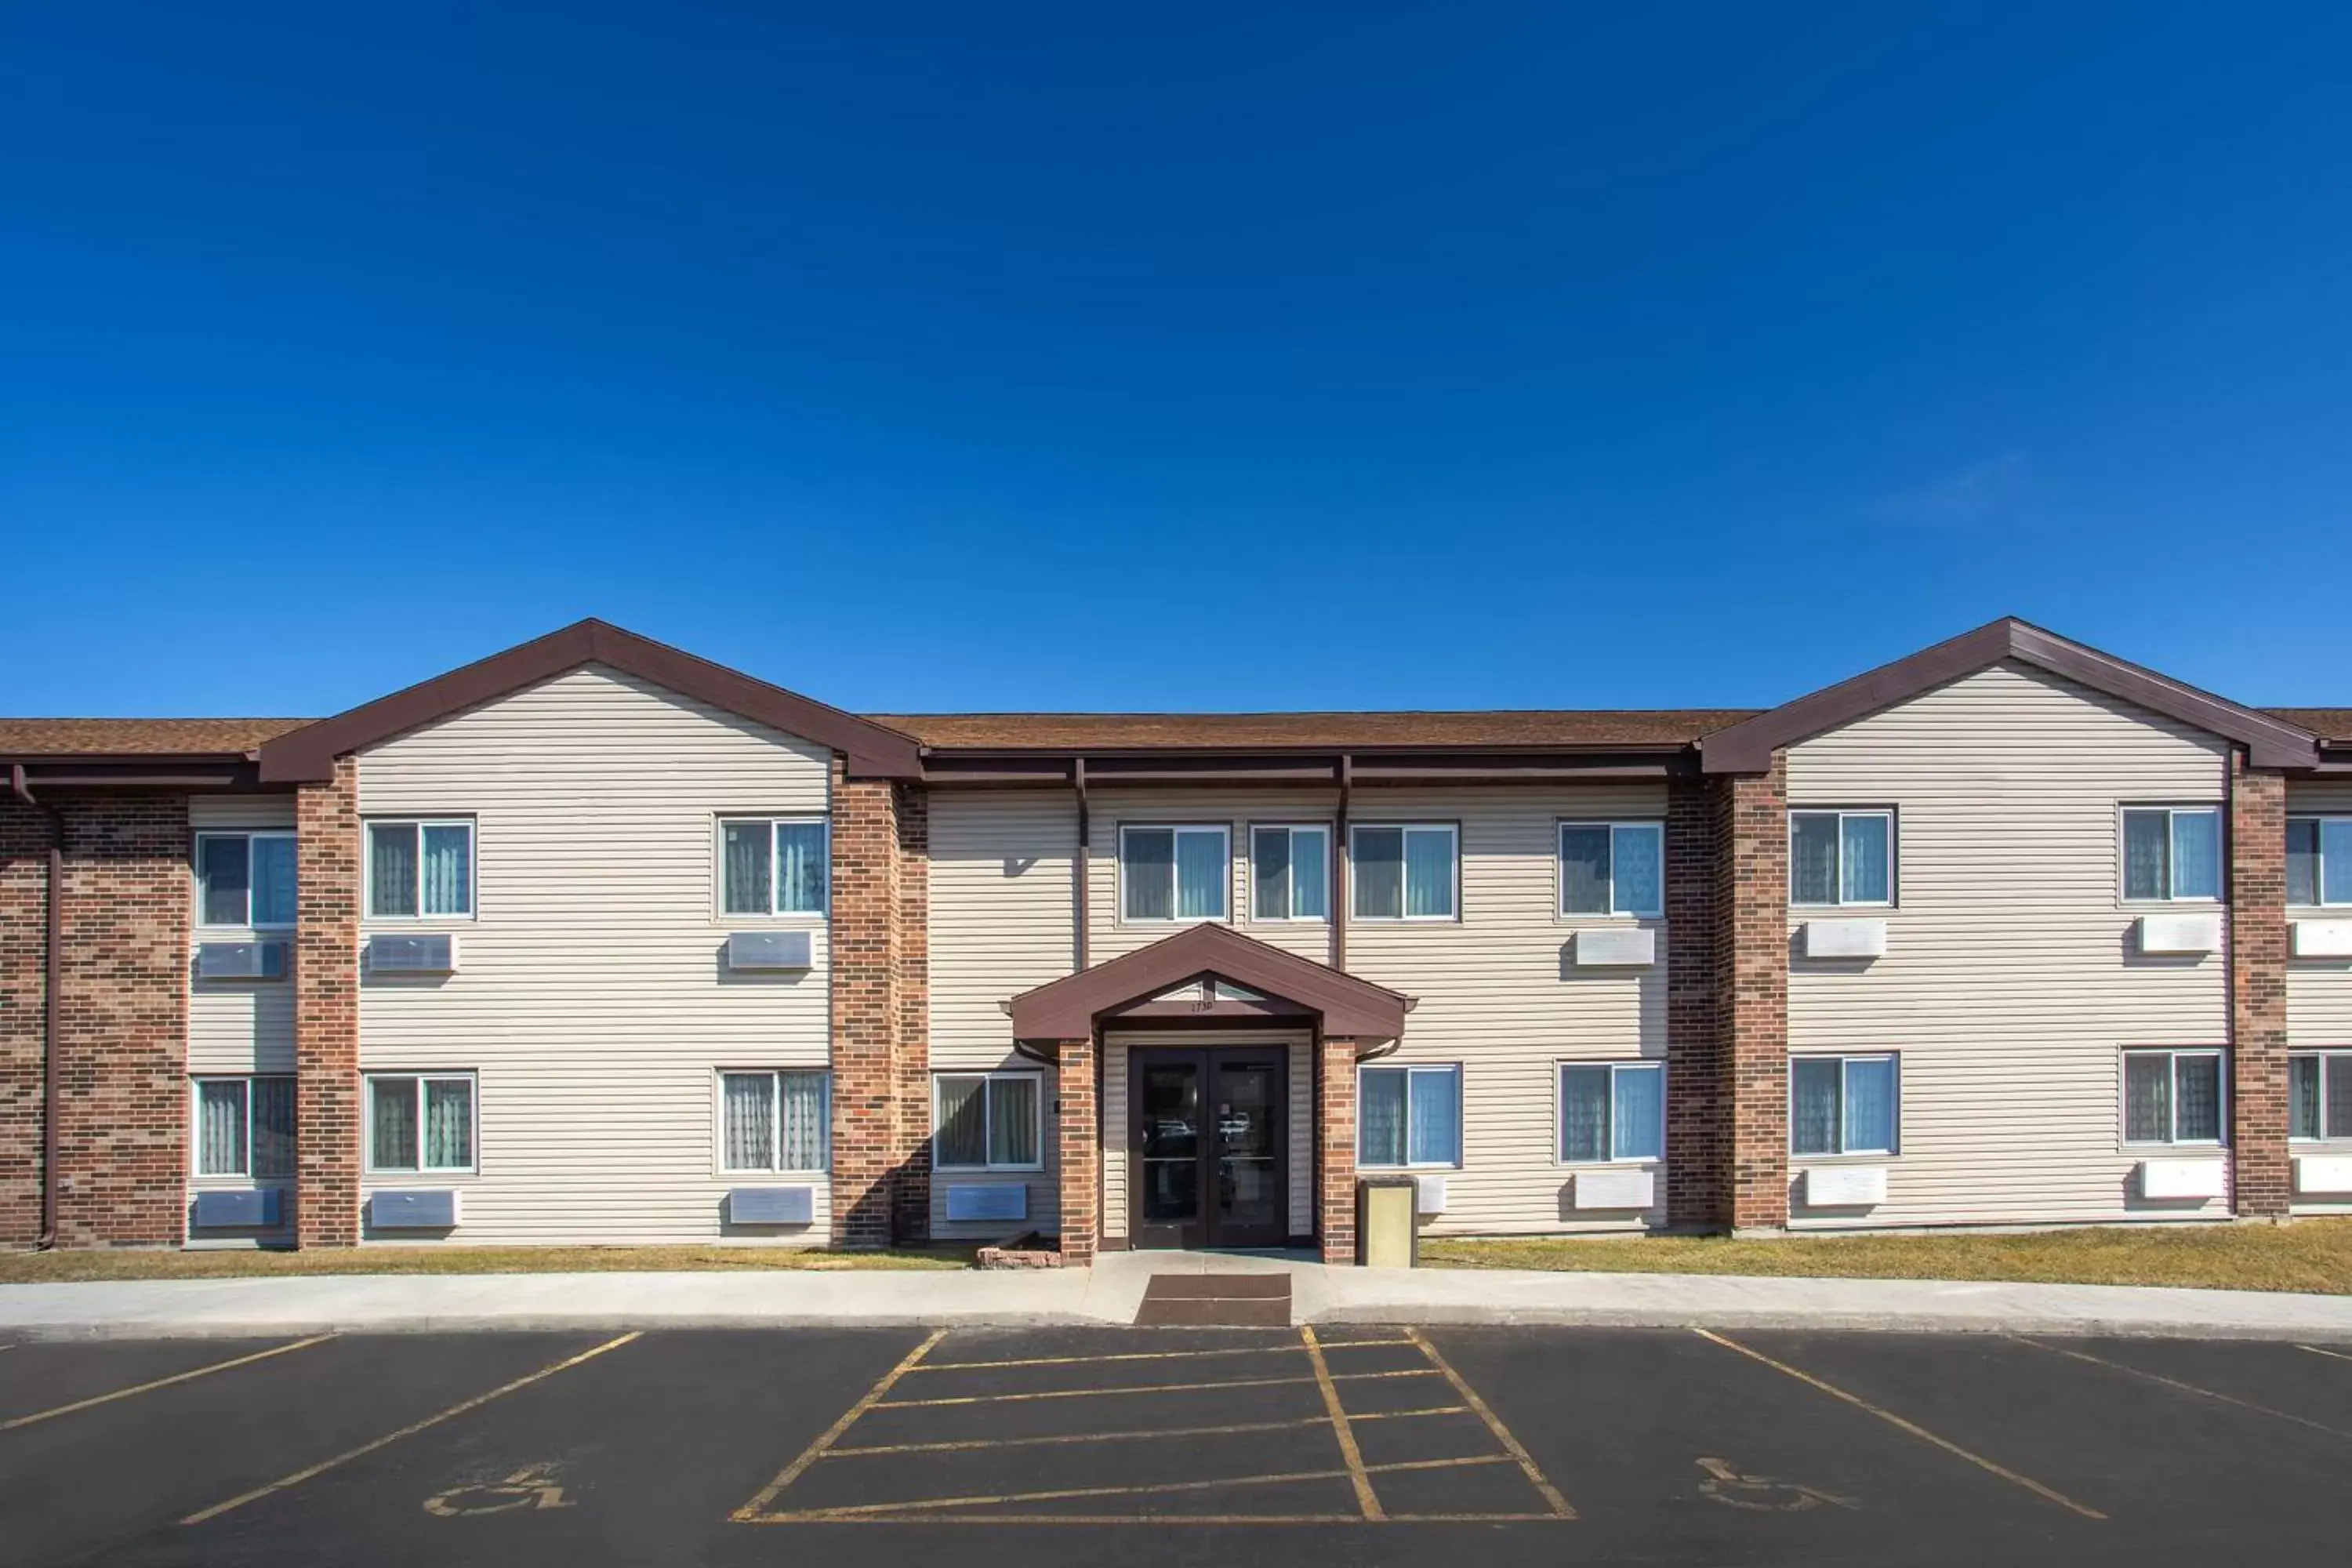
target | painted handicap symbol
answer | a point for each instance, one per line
(1764, 1494)
(532, 1486)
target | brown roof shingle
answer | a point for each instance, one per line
(138, 737)
(2327, 723)
(1324, 731)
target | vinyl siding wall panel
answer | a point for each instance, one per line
(2011, 980)
(1003, 901)
(2319, 990)
(593, 999)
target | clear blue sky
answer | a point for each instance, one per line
(1269, 356)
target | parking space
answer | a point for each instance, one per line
(1348, 1446)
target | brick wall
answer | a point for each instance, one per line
(912, 976)
(1335, 1150)
(1698, 1139)
(24, 947)
(2258, 945)
(1080, 1150)
(327, 1010)
(1751, 971)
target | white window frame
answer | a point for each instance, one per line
(2171, 860)
(988, 1117)
(1615, 826)
(2330, 1063)
(1413, 1070)
(367, 869)
(2173, 1053)
(1224, 832)
(420, 1171)
(1842, 813)
(775, 1123)
(771, 820)
(1845, 1061)
(245, 1081)
(1322, 830)
(196, 872)
(1559, 1113)
(2319, 821)
(1453, 831)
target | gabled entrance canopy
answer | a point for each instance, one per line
(1284, 984)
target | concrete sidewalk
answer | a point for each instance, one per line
(1111, 1291)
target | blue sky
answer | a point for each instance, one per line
(1196, 357)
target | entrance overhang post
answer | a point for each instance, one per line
(1335, 1152)
(1079, 1151)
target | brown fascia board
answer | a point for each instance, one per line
(1282, 766)
(308, 754)
(1748, 747)
(1067, 1009)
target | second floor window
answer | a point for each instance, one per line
(1406, 872)
(2172, 854)
(2319, 861)
(1839, 857)
(420, 868)
(1290, 873)
(1612, 868)
(1174, 873)
(774, 865)
(245, 879)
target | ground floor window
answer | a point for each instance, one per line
(1611, 1110)
(987, 1122)
(774, 1120)
(1409, 1116)
(2319, 1095)
(1842, 1105)
(420, 1121)
(2172, 1096)
(244, 1127)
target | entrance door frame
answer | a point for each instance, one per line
(1207, 1061)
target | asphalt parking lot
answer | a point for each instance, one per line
(1355, 1445)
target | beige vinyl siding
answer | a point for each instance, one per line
(1299, 1112)
(1003, 896)
(2013, 980)
(239, 1026)
(1109, 936)
(2319, 990)
(592, 998)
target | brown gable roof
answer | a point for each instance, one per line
(1066, 1009)
(26, 739)
(2327, 723)
(1510, 729)
(1747, 748)
(309, 753)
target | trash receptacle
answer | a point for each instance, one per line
(1387, 1233)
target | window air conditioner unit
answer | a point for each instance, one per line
(2318, 1173)
(2179, 933)
(771, 1205)
(241, 961)
(421, 955)
(1845, 1186)
(2182, 1178)
(414, 1209)
(1428, 1195)
(248, 1208)
(1631, 947)
(1845, 939)
(757, 951)
(2323, 939)
(969, 1201)
(1615, 1189)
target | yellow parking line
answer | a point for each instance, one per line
(1900, 1425)
(832, 1435)
(2332, 1356)
(1141, 1388)
(1511, 1445)
(1408, 1415)
(162, 1382)
(2184, 1387)
(299, 1476)
(1286, 1348)
(969, 1443)
(1367, 1502)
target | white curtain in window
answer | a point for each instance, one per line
(2148, 1098)
(2336, 860)
(2303, 1097)
(1869, 1105)
(394, 1106)
(744, 852)
(220, 1127)
(1434, 1113)
(2197, 1099)
(2196, 854)
(221, 878)
(747, 1106)
(273, 881)
(1641, 1113)
(1201, 876)
(1866, 872)
(801, 1104)
(448, 871)
(2148, 855)
(1812, 858)
(392, 868)
(1584, 870)
(1379, 1120)
(2338, 1076)
(273, 1127)
(963, 1135)
(1378, 873)
(1310, 875)
(1584, 1113)
(448, 1124)
(2303, 861)
(1639, 873)
(1270, 873)
(1814, 1110)
(800, 867)
(1013, 1121)
(1429, 872)
(1148, 873)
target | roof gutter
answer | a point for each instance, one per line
(52, 964)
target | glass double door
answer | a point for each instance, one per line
(1208, 1148)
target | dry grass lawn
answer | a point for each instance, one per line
(2312, 1255)
(29, 1268)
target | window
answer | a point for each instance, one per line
(1612, 868)
(1841, 858)
(244, 1127)
(1611, 1110)
(775, 1120)
(2319, 861)
(2319, 1096)
(2172, 1096)
(245, 879)
(773, 865)
(421, 1121)
(420, 868)
(1290, 873)
(1409, 1116)
(1405, 872)
(987, 1122)
(2172, 854)
(1841, 1105)
(1174, 873)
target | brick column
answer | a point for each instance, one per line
(865, 1019)
(1335, 1152)
(1698, 1142)
(911, 1192)
(23, 1009)
(1080, 1151)
(2258, 944)
(327, 1010)
(1751, 970)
